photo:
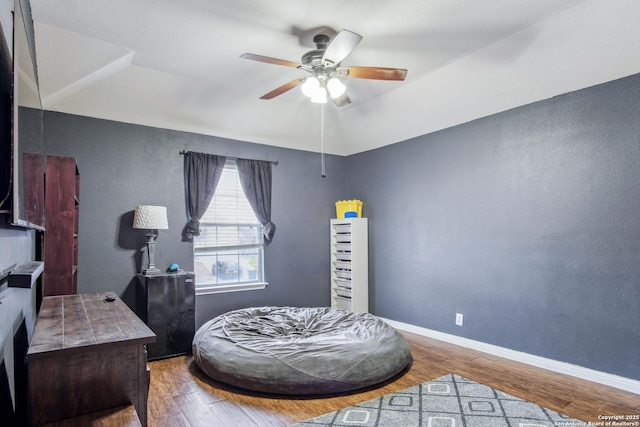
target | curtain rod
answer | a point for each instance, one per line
(273, 162)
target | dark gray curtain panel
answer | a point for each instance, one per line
(202, 173)
(255, 178)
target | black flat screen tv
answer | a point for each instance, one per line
(20, 125)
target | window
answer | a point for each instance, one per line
(228, 253)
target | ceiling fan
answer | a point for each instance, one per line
(323, 65)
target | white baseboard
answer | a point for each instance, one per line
(616, 381)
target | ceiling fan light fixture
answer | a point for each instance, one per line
(311, 87)
(320, 97)
(335, 87)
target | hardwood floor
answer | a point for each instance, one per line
(180, 395)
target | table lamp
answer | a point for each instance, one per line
(151, 218)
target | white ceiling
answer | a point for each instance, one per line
(176, 64)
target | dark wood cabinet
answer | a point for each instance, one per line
(62, 209)
(87, 355)
(33, 188)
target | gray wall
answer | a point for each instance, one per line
(527, 222)
(123, 165)
(16, 244)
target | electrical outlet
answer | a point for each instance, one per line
(459, 319)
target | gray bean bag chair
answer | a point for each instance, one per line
(290, 350)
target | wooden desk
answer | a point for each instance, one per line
(87, 355)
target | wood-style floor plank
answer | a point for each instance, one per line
(181, 395)
(233, 414)
(195, 410)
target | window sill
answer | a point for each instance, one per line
(219, 289)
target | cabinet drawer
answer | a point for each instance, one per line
(343, 292)
(343, 246)
(344, 283)
(343, 274)
(342, 265)
(343, 237)
(343, 303)
(343, 228)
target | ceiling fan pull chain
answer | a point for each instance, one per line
(323, 171)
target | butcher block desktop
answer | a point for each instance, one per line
(87, 355)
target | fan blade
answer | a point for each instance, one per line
(270, 60)
(375, 73)
(282, 89)
(340, 47)
(342, 100)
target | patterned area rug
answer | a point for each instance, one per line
(449, 401)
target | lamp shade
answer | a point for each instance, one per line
(150, 217)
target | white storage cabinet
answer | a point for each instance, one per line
(350, 264)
